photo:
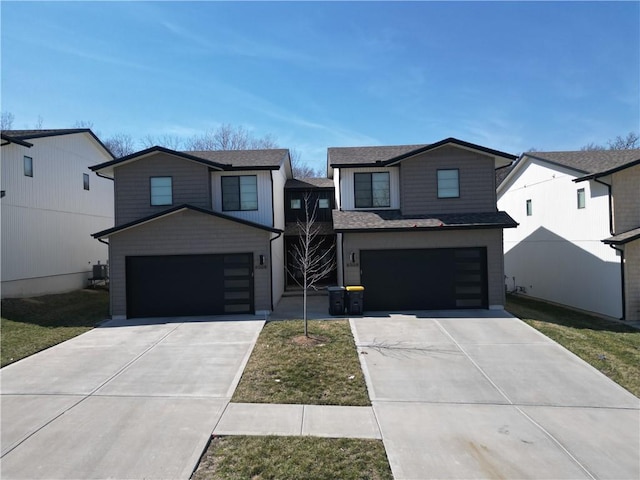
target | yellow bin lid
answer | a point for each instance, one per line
(355, 288)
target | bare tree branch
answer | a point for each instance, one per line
(6, 121)
(310, 257)
(228, 137)
(120, 144)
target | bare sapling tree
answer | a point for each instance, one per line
(310, 257)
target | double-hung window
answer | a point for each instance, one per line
(161, 191)
(372, 190)
(448, 183)
(239, 193)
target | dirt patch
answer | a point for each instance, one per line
(310, 341)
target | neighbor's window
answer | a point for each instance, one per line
(448, 183)
(161, 191)
(323, 203)
(296, 204)
(372, 190)
(581, 198)
(85, 181)
(529, 208)
(28, 166)
(240, 193)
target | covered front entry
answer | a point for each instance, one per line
(424, 279)
(182, 285)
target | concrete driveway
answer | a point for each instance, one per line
(486, 396)
(122, 401)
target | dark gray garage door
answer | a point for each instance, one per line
(427, 279)
(177, 285)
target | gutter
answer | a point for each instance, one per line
(617, 249)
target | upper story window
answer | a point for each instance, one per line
(372, 190)
(323, 203)
(296, 203)
(161, 191)
(240, 193)
(28, 166)
(448, 183)
(581, 198)
(85, 181)
(529, 208)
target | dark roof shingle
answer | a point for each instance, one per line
(309, 183)
(268, 158)
(589, 161)
(357, 155)
(394, 220)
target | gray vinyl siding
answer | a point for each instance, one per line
(419, 184)
(491, 239)
(190, 185)
(188, 233)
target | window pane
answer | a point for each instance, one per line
(380, 187)
(323, 203)
(230, 193)
(529, 208)
(28, 166)
(248, 192)
(362, 187)
(85, 181)
(448, 185)
(581, 198)
(296, 203)
(161, 193)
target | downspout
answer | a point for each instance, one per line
(619, 250)
(271, 264)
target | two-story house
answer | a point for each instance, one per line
(578, 243)
(417, 225)
(50, 206)
(196, 232)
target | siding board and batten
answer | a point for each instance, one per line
(556, 254)
(264, 214)
(48, 219)
(347, 195)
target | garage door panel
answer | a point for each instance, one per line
(177, 285)
(424, 279)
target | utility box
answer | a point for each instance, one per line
(336, 300)
(355, 299)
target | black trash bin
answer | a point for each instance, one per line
(355, 299)
(336, 300)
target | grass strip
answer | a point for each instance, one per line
(30, 325)
(282, 370)
(293, 458)
(611, 347)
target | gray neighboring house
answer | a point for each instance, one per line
(196, 233)
(578, 243)
(418, 226)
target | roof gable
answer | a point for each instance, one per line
(20, 136)
(216, 159)
(392, 155)
(586, 164)
(180, 208)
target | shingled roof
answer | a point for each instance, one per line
(309, 183)
(393, 220)
(358, 155)
(27, 134)
(589, 161)
(266, 158)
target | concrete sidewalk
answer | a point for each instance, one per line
(483, 397)
(123, 400)
(294, 420)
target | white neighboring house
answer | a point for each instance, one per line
(563, 203)
(50, 207)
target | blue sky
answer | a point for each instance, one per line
(506, 75)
